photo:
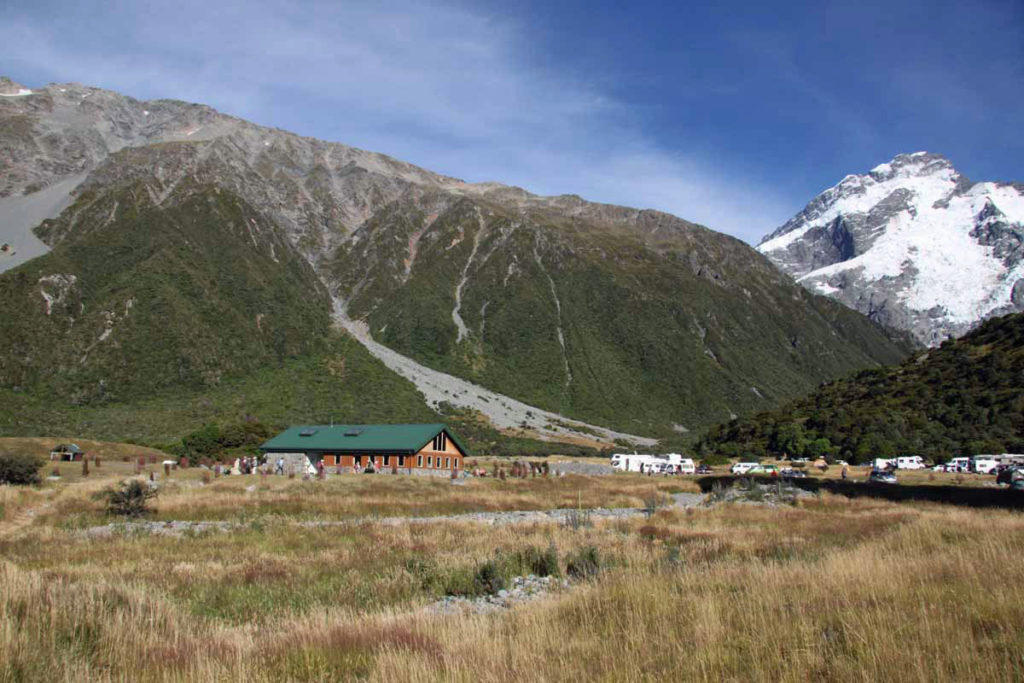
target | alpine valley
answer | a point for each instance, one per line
(913, 244)
(174, 265)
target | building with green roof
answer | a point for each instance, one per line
(384, 447)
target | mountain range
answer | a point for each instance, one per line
(912, 244)
(166, 247)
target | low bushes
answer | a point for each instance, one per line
(487, 577)
(585, 563)
(130, 499)
(19, 468)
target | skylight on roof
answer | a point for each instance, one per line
(307, 432)
(354, 432)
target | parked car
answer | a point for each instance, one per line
(764, 470)
(704, 469)
(882, 477)
(790, 473)
(742, 467)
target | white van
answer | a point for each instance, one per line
(910, 462)
(957, 465)
(984, 464)
(680, 465)
(742, 467)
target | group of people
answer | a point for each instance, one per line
(252, 464)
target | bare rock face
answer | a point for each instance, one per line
(912, 244)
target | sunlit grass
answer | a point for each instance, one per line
(827, 589)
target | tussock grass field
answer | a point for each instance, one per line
(826, 589)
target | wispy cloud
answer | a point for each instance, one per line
(447, 87)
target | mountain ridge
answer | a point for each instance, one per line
(649, 322)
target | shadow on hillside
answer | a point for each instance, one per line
(969, 496)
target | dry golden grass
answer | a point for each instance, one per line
(184, 496)
(830, 589)
(42, 446)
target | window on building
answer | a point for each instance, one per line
(447, 463)
(430, 461)
(419, 461)
(440, 442)
(387, 460)
(401, 461)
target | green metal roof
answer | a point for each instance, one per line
(359, 438)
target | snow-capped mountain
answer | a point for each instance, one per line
(913, 244)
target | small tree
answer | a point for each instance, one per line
(19, 468)
(129, 499)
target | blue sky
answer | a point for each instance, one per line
(731, 114)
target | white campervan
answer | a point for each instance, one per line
(910, 462)
(636, 462)
(984, 464)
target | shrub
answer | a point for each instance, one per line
(576, 519)
(653, 502)
(129, 499)
(19, 468)
(719, 491)
(533, 560)
(585, 563)
(488, 578)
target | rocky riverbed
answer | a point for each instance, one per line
(560, 515)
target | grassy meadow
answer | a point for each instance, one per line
(823, 589)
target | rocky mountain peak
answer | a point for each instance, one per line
(916, 165)
(913, 244)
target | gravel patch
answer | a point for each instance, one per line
(585, 468)
(157, 528)
(560, 515)
(524, 589)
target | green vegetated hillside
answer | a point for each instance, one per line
(636, 320)
(341, 382)
(963, 398)
(202, 254)
(139, 296)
